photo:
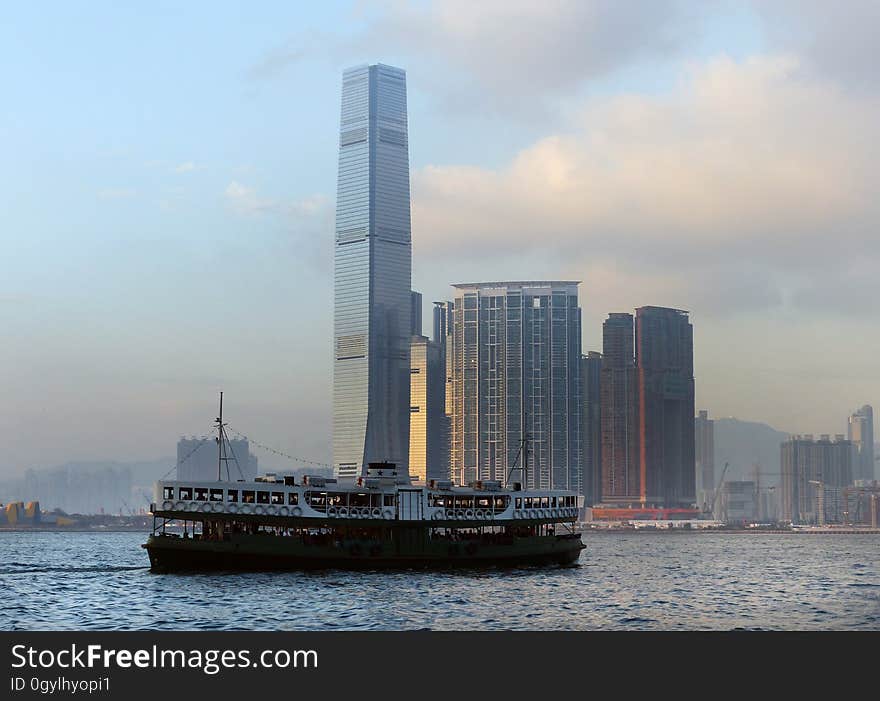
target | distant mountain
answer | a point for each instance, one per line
(745, 443)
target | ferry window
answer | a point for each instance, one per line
(262, 497)
(359, 500)
(375, 500)
(528, 502)
(293, 498)
(519, 502)
(277, 497)
(553, 502)
(483, 503)
(201, 494)
(168, 493)
(389, 500)
(185, 493)
(232, 495)
(545, 502)
(216, 495)
(248, 496)
(336, 499)
(317, 500)
(502, 502)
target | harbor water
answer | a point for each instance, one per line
(630, 581)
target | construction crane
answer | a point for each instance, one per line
(718, 489)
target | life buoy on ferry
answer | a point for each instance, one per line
(283, 511)
(232, 508)
(435, 516)
(331, 511)
(217, 507)
(259, 510)
(271, 510)
(377, 513)
(342, 511)
(296, 511)
(469, 513)
(387, 515)
(206, 507)
(167, 505)
(245, 508)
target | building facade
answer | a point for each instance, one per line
(428, 437)
(591, 427)
(621, 479)
(664, 343)
(861, 433)
(738, 503)
(373, 270)
(704, 435)
(812, 473)
(514, 363)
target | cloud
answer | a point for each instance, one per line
(838, 42)
(187, 167)
(244, 200)
(732, 190)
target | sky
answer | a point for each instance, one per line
(168, 183)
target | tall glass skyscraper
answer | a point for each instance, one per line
(515, 366)
(373, 262)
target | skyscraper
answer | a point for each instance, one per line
(373, 270)
(621, 476)
(415, 313)
(664, 340)
(515, 371)
(428, 456)
(704, 434)
(861, 433)
(813, 474)
(591, 426)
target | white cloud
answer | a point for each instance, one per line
(746, 167)
(187, 167)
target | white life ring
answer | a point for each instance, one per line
(259, 509)
(217, 507)
(283, 511)
(435, 516)
(355, 512)
(342, 511)
(167, 505)
(469, 513)
(180, 506)
(387, 515)
(376, 513)
(245, 508)
(272, 510)
(205, 507)
(296, 511)
(331, 511)
(232, 508)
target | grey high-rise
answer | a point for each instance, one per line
(516, 350)
(373, 262)
(861, 433)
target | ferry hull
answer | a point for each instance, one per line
(169, 554)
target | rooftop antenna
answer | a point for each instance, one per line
(524, 451)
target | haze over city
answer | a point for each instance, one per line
(168, 202)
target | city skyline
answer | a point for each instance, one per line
(120, 215)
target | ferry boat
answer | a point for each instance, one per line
(381, 520)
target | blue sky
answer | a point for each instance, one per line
(169, 182)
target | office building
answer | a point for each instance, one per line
(515, 373)
(591, 427)
(665, 374)
(621, 478)
(704, 435)
(737, 503)
(415, 318)
(428, 437)
(861, 433)
(373, 261)
(812, 473)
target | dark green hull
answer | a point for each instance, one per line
(269, 552)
